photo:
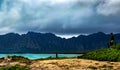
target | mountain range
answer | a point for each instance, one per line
(33, 42)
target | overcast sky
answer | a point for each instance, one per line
(66, 17)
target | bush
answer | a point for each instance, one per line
(16, 67)
(18, 58)
(110, 54)
(116, 46)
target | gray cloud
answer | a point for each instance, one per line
(109, 7)
(59, 16)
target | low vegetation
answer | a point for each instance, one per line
(16, 67)
(50, 58)
(18, 59)
(110, 54)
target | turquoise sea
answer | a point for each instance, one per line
(37, 56)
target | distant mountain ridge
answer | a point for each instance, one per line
(33, 42)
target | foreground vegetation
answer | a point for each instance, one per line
(16, 67)
(110, 54)
(52, 58)
(18, 59)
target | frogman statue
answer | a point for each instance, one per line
(112, 40)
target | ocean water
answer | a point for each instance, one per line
(37, 56)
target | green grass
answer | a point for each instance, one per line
(16, 67)
(110, 54)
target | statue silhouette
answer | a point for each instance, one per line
(112, 39)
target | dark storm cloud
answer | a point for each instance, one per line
(59, 16)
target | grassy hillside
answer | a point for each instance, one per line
(110, 54)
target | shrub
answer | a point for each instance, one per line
(16, 67)
(110, 54)
(116, 46)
